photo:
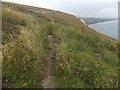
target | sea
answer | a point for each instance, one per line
(108, 28)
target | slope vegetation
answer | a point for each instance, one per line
(81, 57)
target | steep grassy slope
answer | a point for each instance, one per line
(82, 57)
(83, 60)
(23, 49)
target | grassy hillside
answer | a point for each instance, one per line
(82, 57)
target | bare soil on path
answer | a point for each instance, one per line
(48, 79)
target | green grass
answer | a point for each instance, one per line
(77, 61)
(82, 58)
(23, 50)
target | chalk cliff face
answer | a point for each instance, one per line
(83, 21)
(92, 20)
(46, 48)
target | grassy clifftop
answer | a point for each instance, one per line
(82, 58)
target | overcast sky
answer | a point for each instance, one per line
(81, 8)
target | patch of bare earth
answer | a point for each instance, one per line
(6, 84)
(48, 79)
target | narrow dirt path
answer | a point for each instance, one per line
(48, 79)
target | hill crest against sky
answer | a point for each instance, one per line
(81, 8)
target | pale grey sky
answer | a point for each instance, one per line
(84, 8)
